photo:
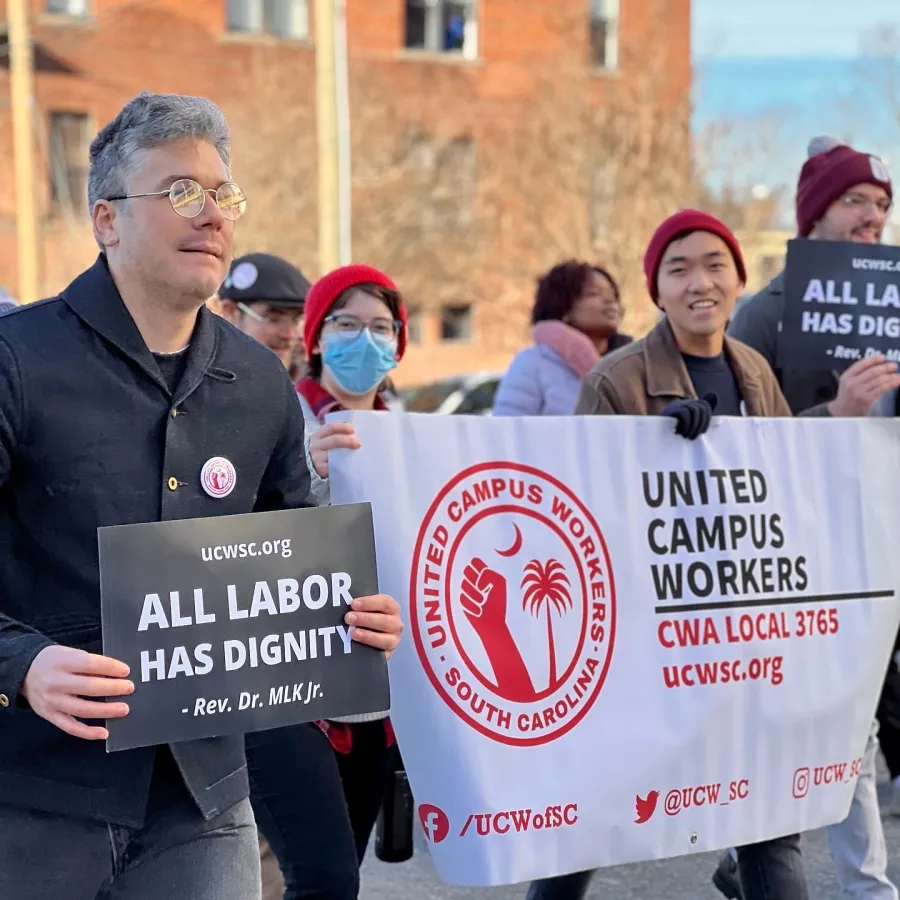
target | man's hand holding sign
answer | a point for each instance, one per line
(862, 384)
(66, 685)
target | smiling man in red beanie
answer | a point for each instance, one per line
(695, 273)
(685, 368)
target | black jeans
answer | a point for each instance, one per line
(888, 715)
(298, 801)
(365, 775)
(773, 870)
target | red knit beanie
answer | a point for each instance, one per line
(683, 223)
(832, 169)
(326, 290)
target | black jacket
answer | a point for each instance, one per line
(90, 436)
(757, 323)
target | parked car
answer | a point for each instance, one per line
(460, 395)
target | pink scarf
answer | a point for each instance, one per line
(576, 349)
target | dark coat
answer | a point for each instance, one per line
(757, 323)
(90, 436)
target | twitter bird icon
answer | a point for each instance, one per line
(645, 807)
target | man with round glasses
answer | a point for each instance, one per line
(264, 295)
(842, 195)
(157, 386)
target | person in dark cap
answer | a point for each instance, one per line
(264, 296)
(7, 302)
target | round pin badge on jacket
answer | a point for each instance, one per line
(218, 477)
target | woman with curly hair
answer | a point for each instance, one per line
(576, 314)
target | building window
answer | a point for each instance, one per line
(452, 200)
(414, 325)
(605, 33)
(70, 138)
(281, 18)
(442, 26)
(68, 7)
(445, 172)
(456, 322)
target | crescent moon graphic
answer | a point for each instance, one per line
(516, 546)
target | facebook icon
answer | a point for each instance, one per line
(434, 821)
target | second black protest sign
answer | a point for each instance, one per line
(842, 304)
(236, 624)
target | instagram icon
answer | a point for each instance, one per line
(801, 783)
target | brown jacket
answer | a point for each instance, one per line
(643, 378)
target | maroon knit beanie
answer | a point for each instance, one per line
(327, 289)
(832, 169)
(683, 223)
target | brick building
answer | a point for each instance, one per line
(490, 138)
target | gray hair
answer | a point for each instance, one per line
(148, 121)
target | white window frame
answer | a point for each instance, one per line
(62, 200)
(434, 16)
(285, 19)
(607, 12)
(67, 7)
(469, 320)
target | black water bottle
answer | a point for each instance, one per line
(394, 828)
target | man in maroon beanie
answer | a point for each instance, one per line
(842, 195)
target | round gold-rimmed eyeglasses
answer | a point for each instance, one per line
(188, 198)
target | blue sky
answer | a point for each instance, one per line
(786, 28)
(770, 74)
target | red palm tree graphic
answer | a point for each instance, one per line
(546, 586)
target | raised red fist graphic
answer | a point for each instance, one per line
(483, 597)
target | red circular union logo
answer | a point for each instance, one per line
(218, 477)
(513, 602)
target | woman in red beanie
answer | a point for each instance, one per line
(355, 334)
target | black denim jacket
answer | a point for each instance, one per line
(91, 436)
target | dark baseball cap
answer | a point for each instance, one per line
(265, 278)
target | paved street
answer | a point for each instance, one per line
(686, 878)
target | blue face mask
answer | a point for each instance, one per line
(358, 363)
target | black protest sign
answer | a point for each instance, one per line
(842, 304)
(236, 624)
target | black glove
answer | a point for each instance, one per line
(692, 417)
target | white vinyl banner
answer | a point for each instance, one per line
(622, 645)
